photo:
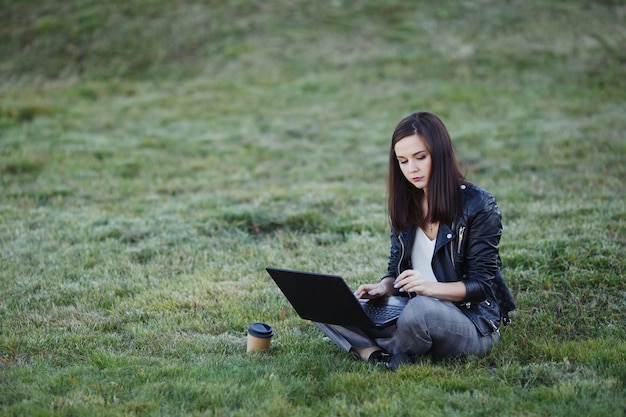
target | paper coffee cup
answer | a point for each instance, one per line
(259, 337)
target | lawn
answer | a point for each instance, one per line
(156, 156)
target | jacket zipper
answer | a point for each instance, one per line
(461, 232)
(401, 254)
(401, 258)
(452, 250)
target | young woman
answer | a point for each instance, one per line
(444, 256)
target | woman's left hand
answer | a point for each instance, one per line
(413, 281)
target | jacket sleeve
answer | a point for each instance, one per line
(482, 251)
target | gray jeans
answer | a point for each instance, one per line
(426, 325)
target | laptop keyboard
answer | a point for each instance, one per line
(376, 312)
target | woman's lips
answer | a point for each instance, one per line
(417, 179)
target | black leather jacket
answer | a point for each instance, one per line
(467, 251)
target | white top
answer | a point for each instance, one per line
(422, 255)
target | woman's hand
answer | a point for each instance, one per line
(413, 281)
(369, 291)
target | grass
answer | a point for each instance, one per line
(156, 156)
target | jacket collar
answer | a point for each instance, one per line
(444, 236)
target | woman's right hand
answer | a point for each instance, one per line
(369, 291)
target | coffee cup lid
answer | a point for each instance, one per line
(262, 330)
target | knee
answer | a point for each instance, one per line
(421, 311)
(416, 312)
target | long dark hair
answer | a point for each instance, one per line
(444, 197)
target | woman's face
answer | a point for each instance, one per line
(414, 160)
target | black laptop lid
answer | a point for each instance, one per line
(321, 298)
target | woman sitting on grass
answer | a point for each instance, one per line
(444, 256)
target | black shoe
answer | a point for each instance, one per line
(397, 360)
(379, 358)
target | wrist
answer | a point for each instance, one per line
(386, 284)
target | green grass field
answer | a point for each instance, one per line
(156, 156)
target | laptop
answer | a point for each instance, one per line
(328, 299)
